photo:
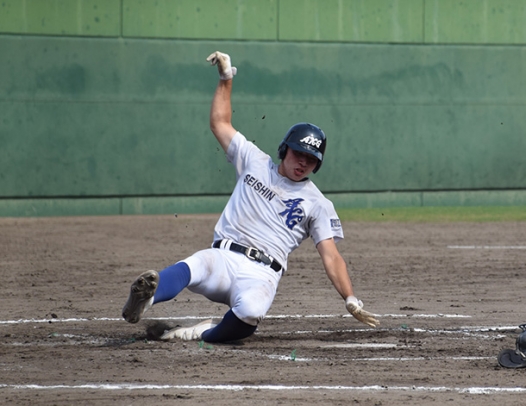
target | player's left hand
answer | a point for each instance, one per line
(355, 307)
(224, 66)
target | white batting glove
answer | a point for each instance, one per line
(355, 307)
(226, 70)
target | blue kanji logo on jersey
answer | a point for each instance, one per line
(293, 213)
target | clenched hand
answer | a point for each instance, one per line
(226, 70)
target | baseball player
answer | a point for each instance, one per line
(272, 209)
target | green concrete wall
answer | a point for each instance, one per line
(386, 21)
(104, 103)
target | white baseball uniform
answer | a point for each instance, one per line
(266, 211)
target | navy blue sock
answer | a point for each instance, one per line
(172, 280)
(230, 329)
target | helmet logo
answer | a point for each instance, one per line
(311, 140)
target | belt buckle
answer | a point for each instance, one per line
(257, 254)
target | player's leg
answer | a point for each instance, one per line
(172, 281)
(229, 329)
(152, 287)
(252, 295)
(226, 277)
(210, 276)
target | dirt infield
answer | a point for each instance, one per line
(449, 296)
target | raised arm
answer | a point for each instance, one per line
(221, 109)
(336, 270)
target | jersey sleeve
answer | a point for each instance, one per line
(325, 223)
(241, 152)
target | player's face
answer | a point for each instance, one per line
(297, 165)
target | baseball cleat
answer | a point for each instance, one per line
(189, 333)
(141, 296)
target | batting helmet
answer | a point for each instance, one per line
(304, 137)
(520, 343)
(509, 358)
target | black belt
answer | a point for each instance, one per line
(251, 253)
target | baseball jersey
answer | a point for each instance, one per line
(270, 212)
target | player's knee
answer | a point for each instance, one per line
(251, 314)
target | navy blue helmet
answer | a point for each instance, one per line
(304, 137)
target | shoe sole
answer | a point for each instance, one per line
(141, 293)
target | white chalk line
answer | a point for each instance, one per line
(89, 339)
(289, 357)
(464, 330)
(379, 359)
(475, 332)
(279, 316)
(476, 390)
(487, 247)
(296, 357)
